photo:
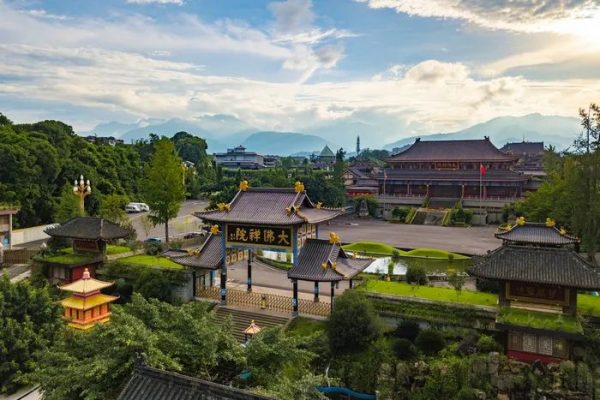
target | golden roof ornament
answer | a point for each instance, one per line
(563, 231)
(291, 210)
(224, 207)
(550, 223)
(299, 187)
(521, 221)
(334, 238)
(319, 205)
(244, 185)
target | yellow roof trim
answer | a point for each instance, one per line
(81, 303)
(86, 285)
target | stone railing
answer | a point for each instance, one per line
(272, 302)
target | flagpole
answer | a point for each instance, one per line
(480, 185)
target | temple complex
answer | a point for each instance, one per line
(89, 237)
(540, 274)
(87, 306)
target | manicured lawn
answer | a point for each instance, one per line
(301, 326)
(377, 248)
(430, 293)
(149, 261)
(588, 305)
(111, 249)
(275, 264)
(435, 254)
(539, 320)
(69, 259)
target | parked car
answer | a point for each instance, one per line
(142, 207)
(191, 235)
(153, 240)
(131, 208)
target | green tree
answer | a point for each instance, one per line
(430, 341)
(113, 208)
(416, 274)
(457, 281)
(163, 184)
(29, 322)
(353, 324)
(68, 205)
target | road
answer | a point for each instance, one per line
(178, 226)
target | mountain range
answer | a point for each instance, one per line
(226, 131)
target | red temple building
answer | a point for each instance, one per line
(540, 275)
(87, 306)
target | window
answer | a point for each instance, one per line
(545, 345)
(530, 343)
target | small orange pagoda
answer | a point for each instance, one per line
(87, 306)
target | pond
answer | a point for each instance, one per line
(431, 266)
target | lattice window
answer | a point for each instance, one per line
(545, 345)
(530, 343)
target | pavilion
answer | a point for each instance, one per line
(540, 275)
(89, 236)
(273, 219)
(324, 261)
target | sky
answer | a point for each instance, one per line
(402, 67)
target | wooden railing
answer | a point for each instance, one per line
(18, 256)
(272, 302)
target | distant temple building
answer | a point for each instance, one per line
(107, 140)
(540, 274)
(238, 157)
(325, 159)
(530, 157)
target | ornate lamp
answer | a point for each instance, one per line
(82, 189)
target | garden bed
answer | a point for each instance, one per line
(149, 261)
(539, 320)
(301, 326)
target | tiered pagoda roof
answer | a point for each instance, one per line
(153, 384)
(536, 234)
(323, 261)
(481, 150)
(542, 265)
(208, 256)
(270, 206)
(88, 228)
(86, 285)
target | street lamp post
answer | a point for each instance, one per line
(82, 189)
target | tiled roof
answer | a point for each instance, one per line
(90, 228)
(326, 152)
(86, 286)
(519, 148)
(492, 175)
(317, 252)
(544, 265)
(153, 384)
(269, 206)
(538, 234)
(207, 256)
(452, 150)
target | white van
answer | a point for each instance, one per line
(142, 206)
(132, 208)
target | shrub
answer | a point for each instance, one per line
(466, 393)
(400, 213)
(416, 274)
(488, 286)
(487, 344)
(353, 323)
(176, 243)
(430, 341)
(404, 349)
(407, 330)
(372, 204)
(153, 249)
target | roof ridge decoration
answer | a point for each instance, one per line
(214, 229)
(520, 221)
(244, 185)
(299, 187)
(224, 207)
(550, 223)
(334, 238)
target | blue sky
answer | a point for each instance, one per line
(399, 66)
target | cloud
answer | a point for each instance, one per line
(436, 71)
(178, 2)
(522, 15)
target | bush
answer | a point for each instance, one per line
(487, 344)
(430, 341)
(353, 324)
(466, 393)
(153, 248)
(400, 213)
(404, 349)
(176, 244)
(372, 204)
(486, 285)
(407, 330)
(416, 274)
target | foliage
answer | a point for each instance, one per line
(539, 320)
(436, 254)
(304, 327)
(460, 216)
(353, 324)
(67, 207)
(416, 274)
(487, 344)
(430, 341)
(95, 365)
(457, 281)
(407, 329)
(404, 349)
(400, 213)
(372, 204)
(149, 261)
(163, 184)
(29, 322)
(487, 285)
(112, 208)
(285, 266)
(412, 212)
(154, 248)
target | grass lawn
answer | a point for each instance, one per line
(149, 261)
(435, 254)
(301, 326)
(588, 304)
(286, 266)
(377, 248)
(539, 320)
(113, 249)
(430, 293)
(69, 259)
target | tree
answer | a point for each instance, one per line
(112, 208)
(29, 322)
(457, 281)
(353, 324)
(67, 207)
(163, 186)
(430, 341)
(416, 274)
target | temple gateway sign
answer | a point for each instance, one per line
(266, 236)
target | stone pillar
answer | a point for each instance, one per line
(295, 297)
(316, 291)
(211, 278)
(249, 280)
(351, 284)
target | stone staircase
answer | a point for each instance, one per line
(241, 319)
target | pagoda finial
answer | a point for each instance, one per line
(86, 274)
(550, 223)
(299, 187)
(244, 185)
(334, 238)
(214, 230)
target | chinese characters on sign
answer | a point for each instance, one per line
(539, 293)
(259, 235)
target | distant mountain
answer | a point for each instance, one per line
(112, 128)
(554, 130)
(285, 143)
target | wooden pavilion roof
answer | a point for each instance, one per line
(536, 234)
(208, 256)
(88, 228)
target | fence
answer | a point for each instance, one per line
(273, 302)
(18, 256)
